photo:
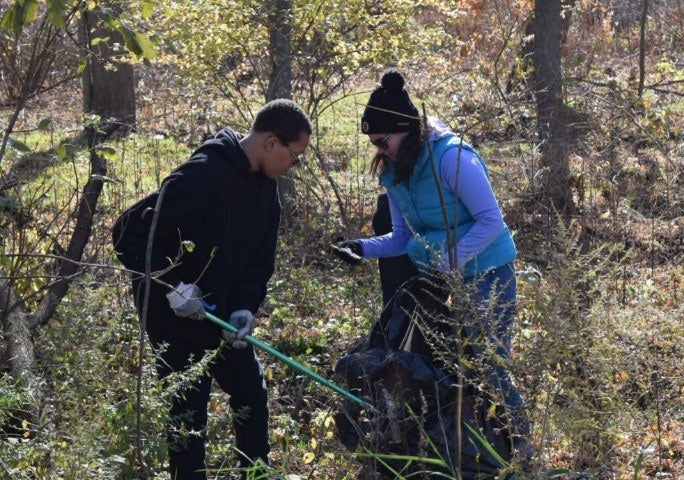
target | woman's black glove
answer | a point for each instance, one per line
(349, 251)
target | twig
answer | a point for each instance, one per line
(642, 49)
(450, 252)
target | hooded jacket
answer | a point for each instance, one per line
(229, 213)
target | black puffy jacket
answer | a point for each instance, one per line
(230, 213)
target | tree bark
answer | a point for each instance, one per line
(526, 48)
(108, 84)
(280, 50)
(19, 357)
(280, 83)
(552, 125)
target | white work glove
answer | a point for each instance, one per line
(185, 301)
(243, 320)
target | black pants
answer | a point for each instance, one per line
(394, 271)
(239, 374)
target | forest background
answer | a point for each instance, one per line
(576, 105)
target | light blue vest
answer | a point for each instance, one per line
(418, 201)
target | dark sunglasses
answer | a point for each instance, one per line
(382, 142)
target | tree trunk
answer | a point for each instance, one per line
(280, 83)
(19, 358)
(526, 48)
(280, 50)
(551, 115)
(108, 85)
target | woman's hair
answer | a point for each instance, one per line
(407, 156)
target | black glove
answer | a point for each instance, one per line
(349, 251)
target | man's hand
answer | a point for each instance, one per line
(185, 301)
(350, 251)
(243, 320)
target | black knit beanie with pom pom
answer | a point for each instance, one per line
(389, 108)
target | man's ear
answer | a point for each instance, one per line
(270, 143)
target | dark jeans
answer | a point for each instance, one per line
(239, 374)
(394, 271)
(494, 299)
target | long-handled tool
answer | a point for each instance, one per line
(297, 366)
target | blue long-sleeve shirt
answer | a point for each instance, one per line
(471, 185)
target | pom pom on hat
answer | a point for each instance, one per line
(389, 108)
(393, 82)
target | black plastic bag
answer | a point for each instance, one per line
(416, 396)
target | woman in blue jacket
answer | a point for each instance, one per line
(483, 248)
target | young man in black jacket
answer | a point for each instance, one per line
(223, 200)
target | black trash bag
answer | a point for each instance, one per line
(415, 397)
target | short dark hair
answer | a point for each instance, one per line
(284, 119)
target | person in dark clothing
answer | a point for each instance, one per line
(394, 271)
(224, 201)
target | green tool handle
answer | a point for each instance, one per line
(297, 366)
